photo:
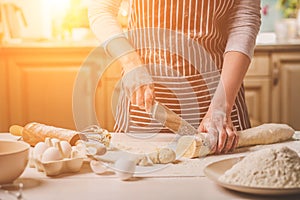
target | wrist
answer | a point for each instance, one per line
(221, 107)
(228, 109)
(121, 49)
(130, 61)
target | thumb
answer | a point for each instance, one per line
(201, 128)
(149, 98)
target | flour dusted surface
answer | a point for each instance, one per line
(272, 168)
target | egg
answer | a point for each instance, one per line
(91, 151)
(51, 154)
(95, 148)
(98, 167)
(39, 149)
(77, 152)
(66, 149)
(125, 168)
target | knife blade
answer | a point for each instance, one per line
(171, 120)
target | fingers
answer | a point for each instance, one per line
(149, 97)
(222, 140)
(143, 97)
(231, 136)
(236, 141)
(228, 140)
(202, 128)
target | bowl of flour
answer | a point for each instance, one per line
(268, 171)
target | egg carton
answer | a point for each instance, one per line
(54, 168)
(55, 157)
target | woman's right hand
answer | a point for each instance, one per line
(137, 82)
(143, 97)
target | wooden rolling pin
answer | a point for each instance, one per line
(33, 133)
(193, 146)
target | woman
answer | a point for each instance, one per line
(162, 34)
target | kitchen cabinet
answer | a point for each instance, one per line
(3, 93)
(272, 85)
(286, 88)
(107, 94)
(40, 84)
(96, 91)
(257, 88)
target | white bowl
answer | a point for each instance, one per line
(14, 157)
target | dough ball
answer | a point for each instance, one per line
(145, 161)
(154, 157)
(166, 155)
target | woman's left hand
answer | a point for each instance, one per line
(220, 126)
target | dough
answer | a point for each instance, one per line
(161, 156)
(154, 157)
(144, 161)
(265, 134)
(166, 155)
(192, 146)
(188, 146)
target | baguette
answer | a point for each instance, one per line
(192, 146)
(34, 132)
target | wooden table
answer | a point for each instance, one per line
(86, 185)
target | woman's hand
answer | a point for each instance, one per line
(143, 97)
(220, 126)
(137, 82)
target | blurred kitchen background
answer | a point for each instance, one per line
(42, 19)
(39, 20)
(44, 44)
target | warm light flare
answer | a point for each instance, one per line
(58, 7)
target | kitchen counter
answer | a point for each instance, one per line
(97, 187)
(265, 41)
(47, 43)
(87, 185)
(293, 45)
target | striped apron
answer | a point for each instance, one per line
(185, 75)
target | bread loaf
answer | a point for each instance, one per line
(192, 146)
(34, 132)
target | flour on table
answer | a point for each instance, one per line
(272, 168)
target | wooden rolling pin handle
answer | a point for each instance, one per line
(16, 130)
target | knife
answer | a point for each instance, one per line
(171, 120)
(181, 127)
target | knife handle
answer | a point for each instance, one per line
(171, 120)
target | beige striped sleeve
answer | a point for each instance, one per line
(244, 27)
(103, 19)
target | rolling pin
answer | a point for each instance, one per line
(34, 132)
(195, 145)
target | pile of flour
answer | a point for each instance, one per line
(272, 168)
